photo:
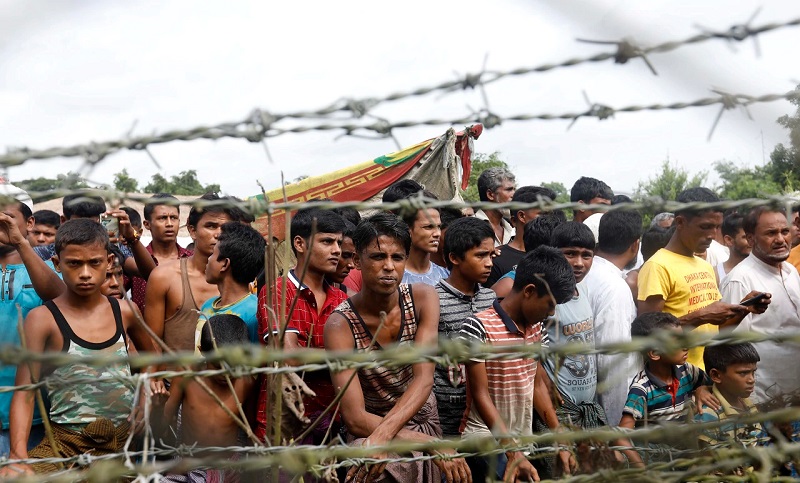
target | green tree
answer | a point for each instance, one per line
(125, 183)
(740, 183)
(480, 163)
(669, 182)
(69, 181)
(562, 194)
(783, 167)
(184, 183)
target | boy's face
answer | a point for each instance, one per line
(346, 262)
(42, 235)
(382, 264)
(535, 307)
(678, 357)
(426, 231)
(84, 267)
(738, 244)
(163, 224)
(738, 380)
(580, 259)
(24, 225)
(207, 231)
(112, 286)
(477, 263)
(323, 252)
(215, 267)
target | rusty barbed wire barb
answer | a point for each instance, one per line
(600, 111)
(738, 33)
(728, 101)
(627, 49)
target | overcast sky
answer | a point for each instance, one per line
(78, 71)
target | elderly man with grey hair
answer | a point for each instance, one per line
(497, 185)
(664, 220)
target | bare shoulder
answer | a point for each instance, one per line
(424, 293)
(337, 333)
(130, 312)
(39, 326)
(165, 273)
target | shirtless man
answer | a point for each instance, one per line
(177, 289)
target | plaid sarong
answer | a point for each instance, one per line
(97, 438)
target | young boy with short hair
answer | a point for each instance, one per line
(234, 264)
(661, 392)
(468, 251)
(732, 367)
(45, 225)
(199, 411)
(425, 227)
(92, 414)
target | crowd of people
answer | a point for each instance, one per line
(492, 279)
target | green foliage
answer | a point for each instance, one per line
(669, 182)
(480, 163)
(740, 183)
(185, 183)
(125, 183)
(69, 181)
(562, 194)
(783, 167)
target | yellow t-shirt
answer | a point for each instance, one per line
(685, 283)
(794, 257)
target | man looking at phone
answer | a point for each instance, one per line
(766, 270)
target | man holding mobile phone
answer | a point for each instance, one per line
(766, 270)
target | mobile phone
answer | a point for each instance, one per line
(753, 300)
(111, 224)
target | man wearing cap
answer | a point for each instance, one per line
(25, 282)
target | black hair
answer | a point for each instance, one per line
(410, 216)
(539, 230)
(200, 209)
(694, 195)
(303, 223)
(133, 215)
(151, 204)
(572, 234)
(349, 229)
(244, 246)
(449, 214)
(530, 194)
(47, 217)
(81, 231)
(620, 199)
(618, 230)
(400, 190)
(114, 250)
(654, 239)
(750, 220)
(228, 329)
(349, 214)
(82, 205)
(238, 212)
(731, 224)
(549, 264)
(380, 224)
(647, 324)
(463, 235)
(721, 356)
(586, 189)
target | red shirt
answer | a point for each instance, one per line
(139, 285)
(308, 323)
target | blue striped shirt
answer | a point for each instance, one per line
(651, 400)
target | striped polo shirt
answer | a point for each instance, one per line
(510, 381)
(651, 400)
(449, 382)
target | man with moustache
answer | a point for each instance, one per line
(767, 270)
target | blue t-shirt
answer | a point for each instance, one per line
(17, 290)
(245, 309)
(431, 278)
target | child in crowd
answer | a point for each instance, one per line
(45, 224)
(91, 415)
(425, 227)
(113, 285)
(661, 392)
(732, 367)
(199, 410)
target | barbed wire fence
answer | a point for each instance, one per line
(354, 117)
